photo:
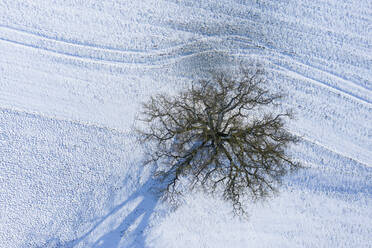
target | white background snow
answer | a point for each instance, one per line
(73, 74)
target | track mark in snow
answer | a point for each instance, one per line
(332, 88)
(84, 51)
(331, 150)
(73, 43)
(123, 57)
(291, 57)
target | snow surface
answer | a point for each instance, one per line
(72, 75)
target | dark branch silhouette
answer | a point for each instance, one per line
(221, 133)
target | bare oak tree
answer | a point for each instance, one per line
(221, 133)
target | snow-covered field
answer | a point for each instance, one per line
(72, 76)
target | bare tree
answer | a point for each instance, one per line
(221, 133)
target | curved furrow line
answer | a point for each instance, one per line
(87, 58)
(199, 46)
(338, 76)
(288, 55)
(111, 66)
(331, 150)
(324, 84)
(329, 79)
(291, 57)
(327, 169)
(83, 45)
(98, 53)
(270, 58)
(107, 53)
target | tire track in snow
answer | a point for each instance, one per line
(93, 52)
(311, 69)
(118, 56)
(316, 143)
(103, 62)
(300, 62)
(324, 84)
(76, 43)
(271, 58)
(289, 56)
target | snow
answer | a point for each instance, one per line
(73, 75)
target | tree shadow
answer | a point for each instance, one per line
(131, 230)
